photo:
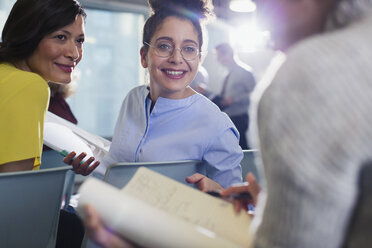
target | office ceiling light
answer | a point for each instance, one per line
(242, 5)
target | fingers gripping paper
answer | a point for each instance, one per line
(155, 211)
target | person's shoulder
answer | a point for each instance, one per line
(138, 92)
(334, 48)
(17, 80)
(208, 105)
(320, 64)
(244, 66)
(243, 69)
(140, 89)
(206, 109)
(12, 73)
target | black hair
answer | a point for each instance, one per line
(193, 10)
(30, 21)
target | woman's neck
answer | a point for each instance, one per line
(22, 65)
(156, 93)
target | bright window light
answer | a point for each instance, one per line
(248, 37)
(242, 5)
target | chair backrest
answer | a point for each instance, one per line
(30, 205)
(248, 163)
(360, 227)
(119, 174)
(52, 159)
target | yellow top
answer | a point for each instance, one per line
(24, 98)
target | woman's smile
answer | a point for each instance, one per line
(174, 74)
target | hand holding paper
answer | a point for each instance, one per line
(155, 211)
(61, 139)
(79, 165)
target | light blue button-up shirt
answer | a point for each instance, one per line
(191, 128)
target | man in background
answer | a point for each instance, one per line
(237, 86)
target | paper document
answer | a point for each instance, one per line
(61, 139)
(155, 211)
(60, 134)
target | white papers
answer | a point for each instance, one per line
(181, 217)
(60, 134)
(61, 138)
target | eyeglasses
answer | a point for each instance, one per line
(165, 49)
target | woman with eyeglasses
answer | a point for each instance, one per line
(167, 120)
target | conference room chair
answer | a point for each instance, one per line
(30, 207)
(248, 164)
(52, 159)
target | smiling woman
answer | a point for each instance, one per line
(39, 45)
(41, 41)
(57, 53)
(167, 120)
(170, 71)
